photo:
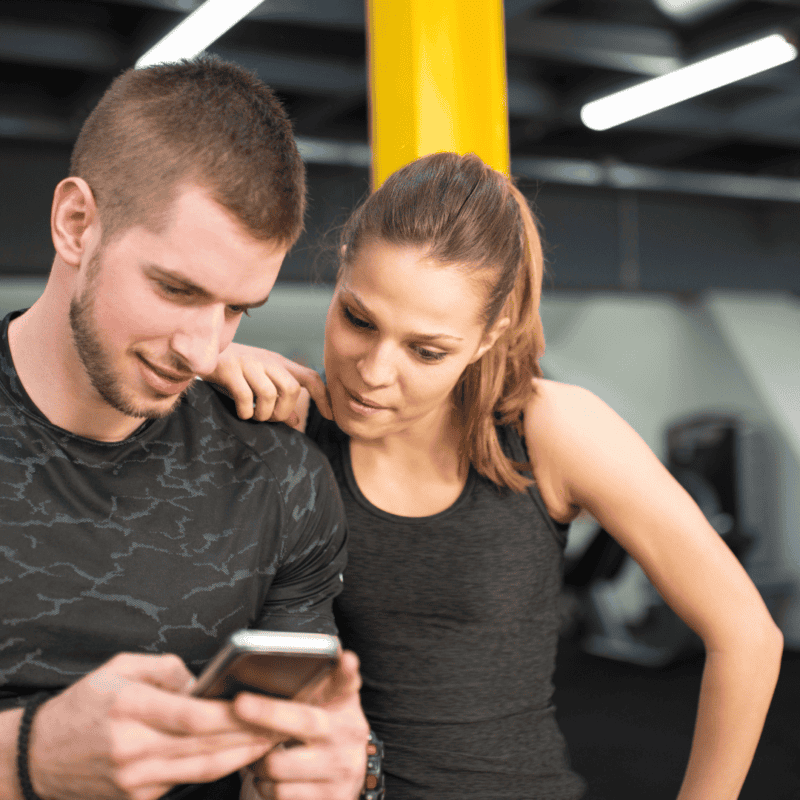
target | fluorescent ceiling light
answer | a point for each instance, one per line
(687, 82)
(202, 27)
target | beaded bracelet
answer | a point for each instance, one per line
(374, 787)
(32, 704)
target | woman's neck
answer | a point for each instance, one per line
(415, 473)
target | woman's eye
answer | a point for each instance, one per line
(430, 355)
(355, 321)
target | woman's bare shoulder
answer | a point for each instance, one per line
(559, 411)
(560, 420)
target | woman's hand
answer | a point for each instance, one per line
(267, 386)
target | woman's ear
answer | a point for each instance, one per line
(490, 337)
(74, 219)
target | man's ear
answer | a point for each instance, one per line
(74, 219)
(490, 337)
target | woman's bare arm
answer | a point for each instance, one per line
(595, 461)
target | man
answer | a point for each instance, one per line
(140, 521)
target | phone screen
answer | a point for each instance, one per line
(276, 674)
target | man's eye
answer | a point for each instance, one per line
(174, 291)
(355, 321)
(239, 310)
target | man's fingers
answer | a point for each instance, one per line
(341, 683)
(176, 714)
(305, 721)
(195, 767)
(317, 766)
(163, 671)
(302, 763)
(286, 719)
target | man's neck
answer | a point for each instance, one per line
(50, 371)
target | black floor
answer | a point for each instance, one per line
(629, 728)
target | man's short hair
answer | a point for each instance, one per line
(202, 121)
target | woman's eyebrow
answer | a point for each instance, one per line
(419, 337)
(429, 337)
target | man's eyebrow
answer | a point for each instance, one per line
(417, 337)
(186, 283)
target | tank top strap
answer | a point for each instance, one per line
(514, 446)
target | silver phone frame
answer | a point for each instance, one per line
(248, 641)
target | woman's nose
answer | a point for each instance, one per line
(376, 367)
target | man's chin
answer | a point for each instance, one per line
(157, 411)
(167, 405)
(157, 406)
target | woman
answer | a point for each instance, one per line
(460, 468)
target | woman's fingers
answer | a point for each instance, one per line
(267, 386)
(275, 388)
(311, 380)
(229, 377)
(263, 387)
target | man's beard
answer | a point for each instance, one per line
(97, 362)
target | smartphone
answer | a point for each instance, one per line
(278, 664)
(283, 665)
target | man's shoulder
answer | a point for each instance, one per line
(280, 447)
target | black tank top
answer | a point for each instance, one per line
(454, 617)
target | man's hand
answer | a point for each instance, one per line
(267, 386)
(326, 754)
(128, 731)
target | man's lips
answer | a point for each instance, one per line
(167, 376)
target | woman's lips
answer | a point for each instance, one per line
(361, 404)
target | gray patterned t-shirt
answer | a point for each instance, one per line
(196, 525)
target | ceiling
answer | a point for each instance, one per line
(57, 57)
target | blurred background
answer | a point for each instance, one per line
(673, 289)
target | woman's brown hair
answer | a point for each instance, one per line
(465, 213)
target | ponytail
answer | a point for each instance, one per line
(496, 389)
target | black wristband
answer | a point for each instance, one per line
(32, 703)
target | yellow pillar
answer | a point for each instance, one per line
(437, 81)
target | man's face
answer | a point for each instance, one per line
(156, 309)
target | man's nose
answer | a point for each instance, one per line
(198, 342)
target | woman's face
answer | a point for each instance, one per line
(400, 331)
